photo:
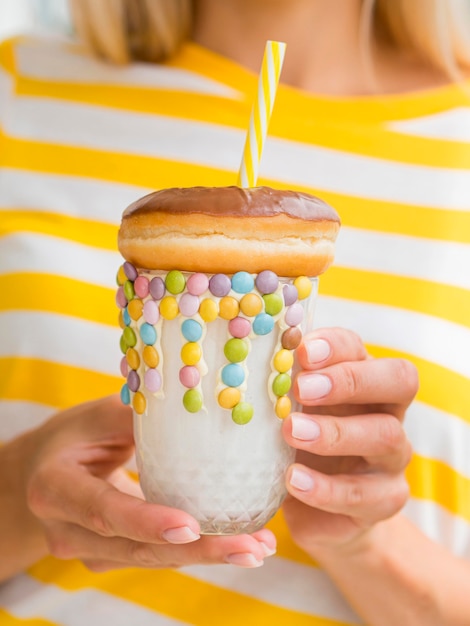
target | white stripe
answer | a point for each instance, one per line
(68, 195)
(283, 583)
(440, 525)
(17, 417)
(38, 253)
(430, 338)
(436, 261)
(453, 125)
(219, 147)
(61, 339)
(439, 435)
(53, 60)
(25, 598)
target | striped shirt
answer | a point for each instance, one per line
(80, 140)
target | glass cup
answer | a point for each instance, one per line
(209, 364)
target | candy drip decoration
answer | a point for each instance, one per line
(252, 306)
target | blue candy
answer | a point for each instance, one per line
(148, 334)
(263, 324)
(192, 330)
(233, 375)
(242, 282)
(125, 394)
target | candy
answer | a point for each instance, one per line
(304, 286)
(121, 299)
(273, 303)
(192, 400)
(229, 397)
(281, 384)
(191, 353)
(151, 312)
(291, 338)
(197, 284)
(242, 282)
(251, 304)
(157, 288)
(133, 380)
(124, 367)
(266, 282)
(128, 288)
(233, 375)
(130, 271)
(121, 276)
(121, 321)
(135, 308)
(220, 285)
(169, 307)
(189, 376)
(290, 294)
(283, 407)
(129, 337)
(208, 310)
(126, 318)
(189, 304)
(148, 334)
(294, 314)
(263, 324)
(236, 350)
(239, 327)
(150, 356)
(123, 344)
(175, 282)
(133, 358)
(228, 308)
(141, 286)
(283, 360)
(152, 380)
(242, 413)
(139, 403)
(125, 395)
(192, 330)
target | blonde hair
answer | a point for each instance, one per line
(152, 30)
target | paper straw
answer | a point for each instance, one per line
(261, 113)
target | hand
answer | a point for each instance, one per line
(89, 507)
(349, 471)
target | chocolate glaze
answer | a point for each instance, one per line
(235, 202)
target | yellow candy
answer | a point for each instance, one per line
(283, 407)
(208, 310)
(121, 276)
(191, 353)
(139, 403)
(229, 397)
(228, 308)
(133, 358)
(251, 304)
(304, 287)
(169, 307)
(150, 355)
(283, 360)
(134, 308)
(121, 321)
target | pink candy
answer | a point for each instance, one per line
(197, 284)
(151, 312)
(189, 376)
(189, 305)
(294, 314)
(141, 286)
(121, 299)
(152, 380)
(239, 327)
(124, 367)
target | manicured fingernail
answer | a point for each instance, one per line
(180, 535)
(243, 559)
(304, 428)
(317, 350)
(313, 386)
(301, 480)
(266, 549)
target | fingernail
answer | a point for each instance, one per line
(304, 429)
(301, 480)
(267, 551)
(179, 535)
(243, 559)
(313, 386)
(317, 350)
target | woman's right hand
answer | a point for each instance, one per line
(86, 506)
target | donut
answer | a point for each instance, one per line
(229, 229)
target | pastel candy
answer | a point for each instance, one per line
(282, 384)
(294, 314)
(263, 324)
(189, 304)
(175, 282)
(242, 413)
(139, 403)
(124, 368)
(191, 353)
(273, 303)
(130, 271)
(141, 286)
(150, 356)
(189, 376)
(236, 350)
(152, 380)
(229, 397)
(233, 375)
(266, 282)
(157, 288)
(169, 307)
(151, 312)
(192, 400)
(228, 308)
(290, 294)
(129, 337)
(192, 330)
(304, 286)
(133, 380)
(220, 285)
(197, 284)
(125, 394)
(148, 334)
(121, 299)
(239, 327)
(242, 282)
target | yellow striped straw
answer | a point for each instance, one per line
(261, 113)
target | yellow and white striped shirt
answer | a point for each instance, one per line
(80, 140)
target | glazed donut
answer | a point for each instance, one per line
(229, 229)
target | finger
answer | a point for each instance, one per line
(386, 382)
(327, 346)
(366, 497)
(380, 439)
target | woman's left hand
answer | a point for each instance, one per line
(352, 448)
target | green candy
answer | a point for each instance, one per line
(129, 337)
(273, 303)
(236, 350)
(242, 413)
(123, 344)
(192, 401)
(281, 384)
(175, 282)
(129, 290)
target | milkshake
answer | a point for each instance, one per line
(216, 290)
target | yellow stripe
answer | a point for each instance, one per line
(202, 601)
(450, 395)
(430, 479)
(53, 384)
(81, 230)
(8, 620)
(36, 292)
(413, 294)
